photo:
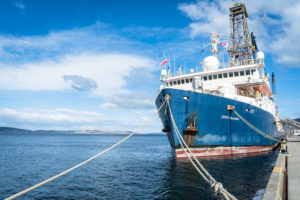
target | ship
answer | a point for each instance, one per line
(201, 101)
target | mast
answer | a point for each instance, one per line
(214, 41)
(240, 39)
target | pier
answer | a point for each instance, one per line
(284, 182)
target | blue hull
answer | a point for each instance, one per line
(216, 126)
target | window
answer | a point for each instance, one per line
(210, 77)
(187, 80)
(182, 81)
(174, 83)
(215, 76)
(242, 73)
(191, 80)
(167, 83)
(236, 73)
(247, 72)
(205, 78)
(219, 75)
(171, 83)
(252, 71)
(225, 75)
(230, 74)
(178, 82)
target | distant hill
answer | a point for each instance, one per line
(10, 130)
(13, 130)
(298, 119)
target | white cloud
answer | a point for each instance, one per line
(209, 17)
(56, 116)
(106, 71)
(109, 106)
(19, 5)
(275, 23)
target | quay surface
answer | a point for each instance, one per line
(284, 182)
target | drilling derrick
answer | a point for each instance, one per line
(240, 39)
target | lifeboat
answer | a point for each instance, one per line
(264, 89)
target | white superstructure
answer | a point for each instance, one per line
(244, 81)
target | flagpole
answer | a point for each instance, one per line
(174, 63)
(169, 64)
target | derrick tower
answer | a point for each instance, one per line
(240, 39)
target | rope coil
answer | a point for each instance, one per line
(88, 160)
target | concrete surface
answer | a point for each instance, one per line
(275, 185)
(293, 165)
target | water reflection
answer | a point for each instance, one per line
(242, 175)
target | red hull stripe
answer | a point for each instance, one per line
(220, 151)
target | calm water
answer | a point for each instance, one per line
(143, 167)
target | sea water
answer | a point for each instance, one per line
(143, 167)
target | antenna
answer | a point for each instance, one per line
(214, 39)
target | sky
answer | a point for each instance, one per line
(84, 64)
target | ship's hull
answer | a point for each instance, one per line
(217, 131)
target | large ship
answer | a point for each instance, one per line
(201, 102)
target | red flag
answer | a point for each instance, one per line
(163, 62)
(224, 44)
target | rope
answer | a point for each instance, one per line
(217, 188)
(254, 128)
(88, 160)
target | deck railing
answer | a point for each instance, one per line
(224, 65)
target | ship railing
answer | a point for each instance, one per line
(245, 62)
(183, 72)
(180, 72)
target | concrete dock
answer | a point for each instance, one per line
(284, 182)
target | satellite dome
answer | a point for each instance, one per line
(210, 63)
(260, 55)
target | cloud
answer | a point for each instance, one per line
(275, 23)
(207, 17)
(80, 83)
(109, 105)
(44, 116)
(82, 72)
(98, 37)
(19, 5)
(70, 119)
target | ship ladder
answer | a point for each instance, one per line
(88, 160)
(232, 108)
(219, 192)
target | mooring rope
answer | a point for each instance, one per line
(254, 128)
(217, 187)
(88, 160)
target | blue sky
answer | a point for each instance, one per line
(95, 64)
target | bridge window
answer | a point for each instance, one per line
(178, 82)
(174, 82)
(242, 73)
(230, 74)
(219, 75)
(182, 81)
(236, 73)
(171, 83)
(215, 76)
(247, 72)
(187, 80)
(167, 83)
(225, 75)
(191, 80)
(252, 71)
(205, 78)
(210, 77)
